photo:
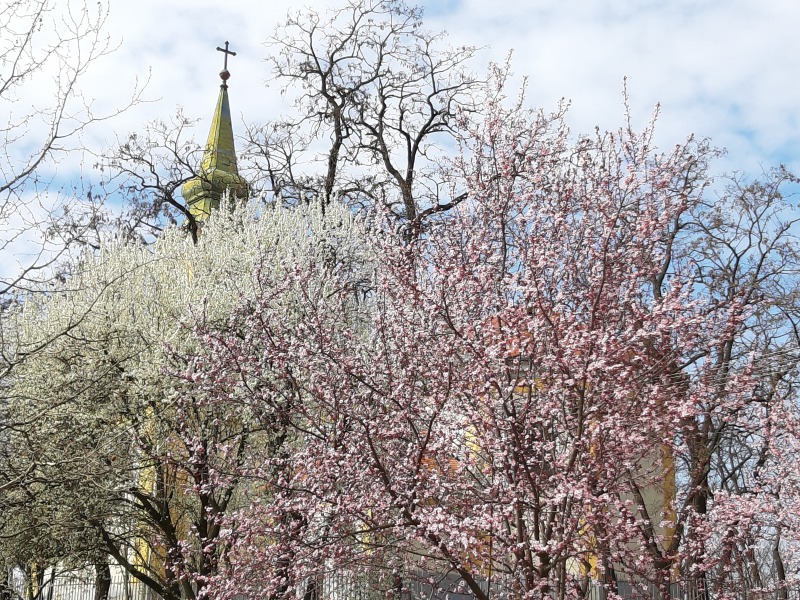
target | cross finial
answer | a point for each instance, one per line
(224, 74)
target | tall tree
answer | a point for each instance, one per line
(110, 455)
(541, 397)
(377, 99)
(46, 50)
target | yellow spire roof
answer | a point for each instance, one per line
(218, 170)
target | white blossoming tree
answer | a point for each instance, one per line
(112, 440)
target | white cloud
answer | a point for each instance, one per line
(720, 68)
(717, 67)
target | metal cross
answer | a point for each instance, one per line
(226, 52)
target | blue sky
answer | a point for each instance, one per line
(723, 69)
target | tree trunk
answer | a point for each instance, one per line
(7, 585)
(780, 568)
(102, 581)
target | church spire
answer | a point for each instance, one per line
(218, 171)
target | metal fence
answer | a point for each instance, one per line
(430, 586)
(688, 591)
(78, 585)
(376, 585)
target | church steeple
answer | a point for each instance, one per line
(218, 171)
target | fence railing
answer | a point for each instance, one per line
(375, 585)
(78, 585)
(430, 586)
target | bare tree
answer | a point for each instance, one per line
(743, 246)
(149, 168)
(748, 247)
(46, 49)
(377, 100)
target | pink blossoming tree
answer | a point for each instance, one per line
(547, 389)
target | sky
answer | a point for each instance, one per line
(722, 69)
